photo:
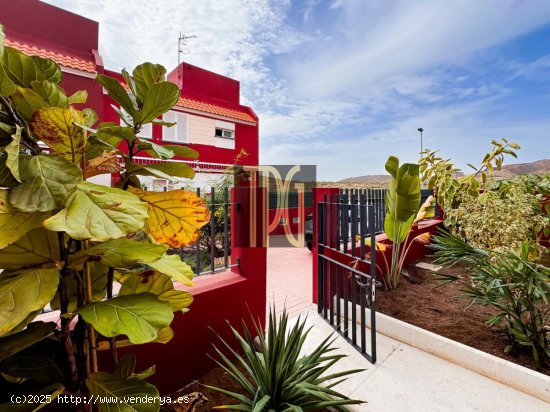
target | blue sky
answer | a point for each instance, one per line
(345, 83)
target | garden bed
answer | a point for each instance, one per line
(441, 311)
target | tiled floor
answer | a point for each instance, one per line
(289, 275)
(406, 379)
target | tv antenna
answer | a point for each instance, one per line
(182, 49)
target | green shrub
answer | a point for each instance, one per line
(280, 377)
(509, 282)
(499, 220)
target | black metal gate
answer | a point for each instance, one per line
(347, 295)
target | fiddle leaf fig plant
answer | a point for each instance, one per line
(65, 241)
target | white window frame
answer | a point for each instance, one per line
(227, 130)
(226, 134)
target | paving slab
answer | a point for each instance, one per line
(408, 379)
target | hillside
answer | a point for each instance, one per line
(379, 181)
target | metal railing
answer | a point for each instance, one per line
(345, 284)
(211, 252)
(371, 197)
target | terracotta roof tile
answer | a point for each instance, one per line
(187, 103)
(61, 59)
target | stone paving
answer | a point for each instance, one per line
(289, 279)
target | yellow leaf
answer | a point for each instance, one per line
(57, 128)
(427, 210)
(175, 217)
(379, 246)
(423, 238)
(106, 163)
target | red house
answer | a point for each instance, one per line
(209, 116)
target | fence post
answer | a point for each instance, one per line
(318, 194)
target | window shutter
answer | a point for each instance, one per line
(169, 133)
(146, 131)
(182, 132)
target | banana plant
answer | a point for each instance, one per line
(402, 205)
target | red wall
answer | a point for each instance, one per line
(220, 298)
(38, 23)
(200, 84)
(246, 136)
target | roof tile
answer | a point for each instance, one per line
(61, 59)
(187, 103)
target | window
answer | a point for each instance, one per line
(177, 133)
(228, 134)
(146, 130)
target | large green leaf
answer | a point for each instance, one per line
(167, 151)
(99, 213)
(7, 87)
(107, 137)
(122, 395)
(27, 101)
(160, 98)
(145, 75)
(35, 332)
(23, 292)
(155, 150)
(43, 362)
(12, 152)
(20, 68)
(6, 178)
(48, 69)
(160, 285)
(51, 92)
(78, 97)
(121, 253)
(168, 170)
(183, 151)
(37, 247)
(139, 317)
(117, 93)
(59, 128)
(402, 199)
(47, 182)
(14, 224)
(173, 266)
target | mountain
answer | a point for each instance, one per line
(540, 166)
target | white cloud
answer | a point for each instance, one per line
(346, 88)
(404, 38)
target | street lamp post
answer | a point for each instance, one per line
(421, 130)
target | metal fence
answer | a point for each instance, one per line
(371, 197)
(343, 287)
(212, 251)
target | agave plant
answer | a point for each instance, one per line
(280, 377)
